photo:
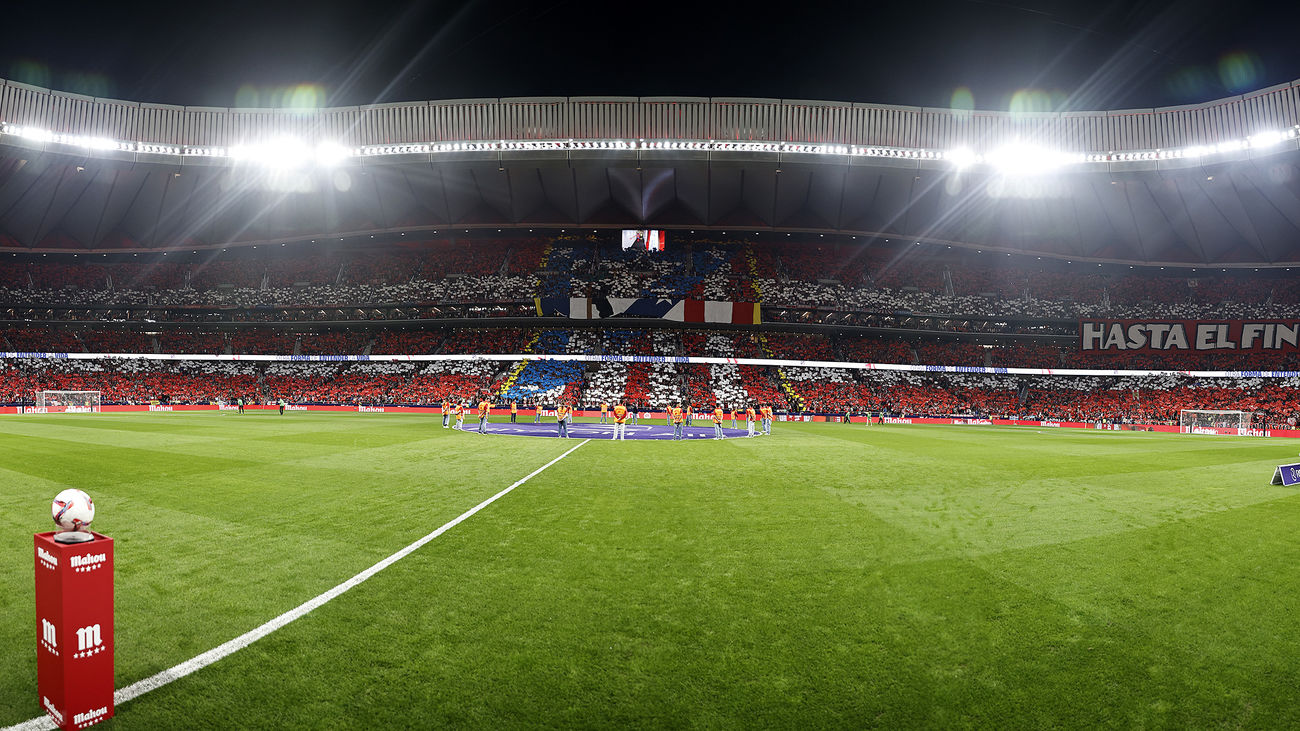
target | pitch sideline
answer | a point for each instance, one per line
(139, 688)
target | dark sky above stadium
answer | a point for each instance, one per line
(983, 54)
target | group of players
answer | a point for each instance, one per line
(239, 404)
(679, 418)
(758, 421)
(456, 410)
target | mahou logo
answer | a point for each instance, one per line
(89, 717)
(90, 641)
(47, 559)
(54, 712)
(87, 563)
(49, 636)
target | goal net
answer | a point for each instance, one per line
(1198, 421)
(71, 402)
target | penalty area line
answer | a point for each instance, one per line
(153, 682)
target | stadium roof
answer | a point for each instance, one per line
(1210, 184)
(985, 54)
(1213, 182)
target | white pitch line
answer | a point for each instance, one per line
(139, 688)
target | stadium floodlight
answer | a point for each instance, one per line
(1012, 159)
(38, 134)
(329, 154)
(961, 157)
(92, 143)
(1266, 139)
(33, 133)
(1023, 159)
(288, 153)
(243, 153)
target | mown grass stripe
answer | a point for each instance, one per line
(158, 680)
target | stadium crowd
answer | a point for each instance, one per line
(250, 293)
(642, 385)
(881, 278)
(1129, 399)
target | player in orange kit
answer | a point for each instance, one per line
(562, 420)
(620, 422)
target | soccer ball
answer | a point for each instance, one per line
(73, 510)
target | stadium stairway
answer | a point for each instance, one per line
(786, 386)
(519, 367)
(543, 264)
(509, 383)
(546, 256)
(790, 392)
(752, 263)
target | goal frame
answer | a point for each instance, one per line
(1189, 423)
(88, 402)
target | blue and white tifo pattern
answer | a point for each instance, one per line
(589, 358)
(544, 379)
(605, 431)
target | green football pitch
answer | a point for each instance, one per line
(827, 576)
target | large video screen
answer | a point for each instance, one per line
(648, 239)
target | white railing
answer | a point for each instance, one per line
(553, 118)
(704, 360)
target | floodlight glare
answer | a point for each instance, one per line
(961, 157)
(284, 153)
(1266, 139)
(1022, 159)
(329, 154)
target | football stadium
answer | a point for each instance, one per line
(1007, 401)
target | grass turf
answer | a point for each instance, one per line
(829, 575)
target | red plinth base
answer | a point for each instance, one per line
(74, 630)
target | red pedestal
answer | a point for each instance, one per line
(74, 630)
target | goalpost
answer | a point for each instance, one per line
(69, 402)
(1207, 421)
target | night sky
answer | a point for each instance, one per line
(983, 54)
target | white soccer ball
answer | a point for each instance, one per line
(73, 510)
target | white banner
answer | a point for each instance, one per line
(8, 355)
